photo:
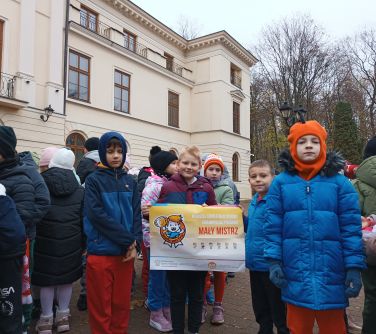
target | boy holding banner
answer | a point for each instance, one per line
(187, 187)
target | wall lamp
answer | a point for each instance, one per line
(48, 111)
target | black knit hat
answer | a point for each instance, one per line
(370, 149)
(8, 142)
(92, 144)
(160, 161)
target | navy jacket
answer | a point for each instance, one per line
(12, 230)
(177, 191)
(112, 215)
(255, 238)
(314, 229)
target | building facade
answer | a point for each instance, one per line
(123, 70)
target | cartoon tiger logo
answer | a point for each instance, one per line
(172, 229)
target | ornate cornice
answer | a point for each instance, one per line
(129, 9)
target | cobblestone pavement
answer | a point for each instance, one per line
(239, 318)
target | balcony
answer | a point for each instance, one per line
(91, 24)
(236, 80)
(8, 91)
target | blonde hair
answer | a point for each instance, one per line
(191, 150)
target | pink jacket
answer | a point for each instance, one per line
(150, 195)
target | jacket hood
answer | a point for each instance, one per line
(103, 144)
(223, 182)
(366, 172)
(93, 155)
(60, 182)
(27, 159)
(334, 163)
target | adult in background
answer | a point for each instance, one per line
(88, 163)
(365, 185)
(58, 245)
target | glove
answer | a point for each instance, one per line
(276, 275)
(353, 283)
(2, 190)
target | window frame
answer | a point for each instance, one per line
(173, 110)
(79, 71)
(127, 35)
(78, 150)
(236, 117)
(169, 61)
(116, 85)
(89, 11)
(235, 167)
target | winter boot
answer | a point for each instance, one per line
(167, 314)
(62, 321)
(44, 324)
(159, 322)
(218, 316)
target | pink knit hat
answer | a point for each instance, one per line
(46, 156)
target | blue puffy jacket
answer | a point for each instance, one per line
(255, 239)
(314, 228)
(112, 216)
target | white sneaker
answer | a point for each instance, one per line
(62, 321)
(44, 325)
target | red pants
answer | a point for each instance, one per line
(300, 320)
(219, 286)
(145, 271)
(109, 284)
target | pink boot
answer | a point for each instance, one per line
(159, 322)
(167, 314)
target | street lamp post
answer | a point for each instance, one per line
(292, 115)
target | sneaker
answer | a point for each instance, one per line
(146, 304)
(140, 256)
(82, 303)
(204, 313)
(62, 321)
(44, 325)
(167, 314)
(218, 316)
(159, 322)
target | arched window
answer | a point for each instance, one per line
(75, 142)
(235, 167)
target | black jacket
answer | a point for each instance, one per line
(144, 173)
(58, 244)
(12, 230)
(87, 165)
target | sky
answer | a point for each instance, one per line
(244, 19)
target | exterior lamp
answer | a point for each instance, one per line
(292, 115)
(48, 111)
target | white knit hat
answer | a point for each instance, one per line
(63, 158)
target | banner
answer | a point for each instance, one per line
(193, 237)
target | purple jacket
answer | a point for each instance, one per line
(177, 191)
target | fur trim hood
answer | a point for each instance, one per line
(334, 163)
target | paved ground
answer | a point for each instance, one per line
(239, 317)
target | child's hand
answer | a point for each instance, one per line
(145, 209)
(2, 190)
(130, 255)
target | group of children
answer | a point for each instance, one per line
(303, 237)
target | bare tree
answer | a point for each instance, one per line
(361, 55)
(188, 27)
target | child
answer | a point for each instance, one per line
(12, 249)
(58, 244)
(313, 233)
(112, 222)
(213, 170)
(164, 165)
(266, 297)
(187, 187)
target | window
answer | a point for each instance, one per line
(169, 61)
(89, 19)
(121, 96)
(129, 41)
(173, 109)
(236, 117)
(236, 76)
(75, 142)
(235, 167)
(79, 76)
(1, 40)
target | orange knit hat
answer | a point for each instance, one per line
(212, 159)
(298, 130)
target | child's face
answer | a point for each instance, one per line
(172, 168)
(308, 148)
(260, 179)
(114, 156)
(213, 172)
(189, 166)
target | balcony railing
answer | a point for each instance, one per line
(236, 80)
(136, 47)
(91, 22)
(7, 83)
